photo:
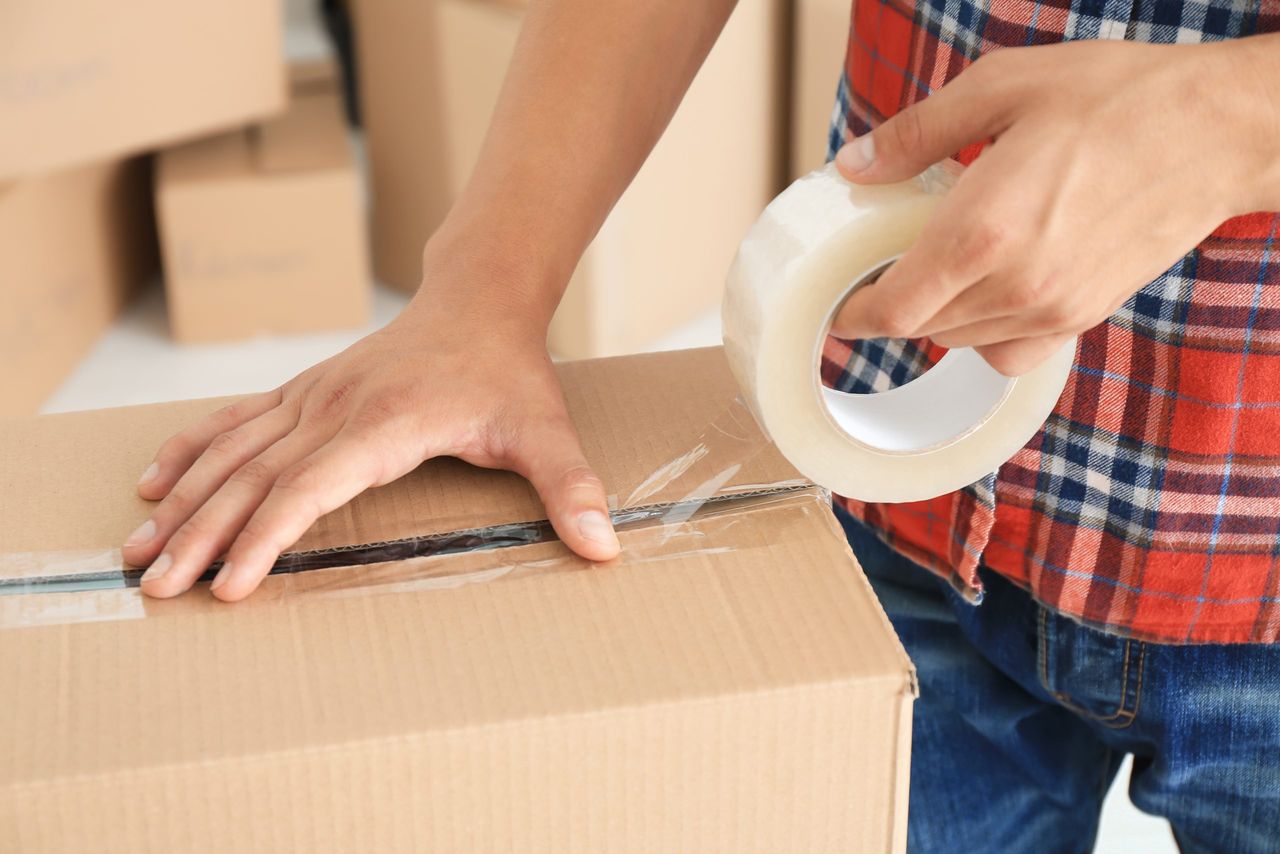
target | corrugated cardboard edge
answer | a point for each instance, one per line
(906, 695)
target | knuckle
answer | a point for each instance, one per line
(194, 530)
(1062, 315)
(225, 445)
(891, 320)
(296, 479)
(1027, 294)
(372, 414)
(178, 503)
(907, 133)
(176, 447)
(983, 242)
(258, 532)
(328, 402)
(254, 473)
(580, 477)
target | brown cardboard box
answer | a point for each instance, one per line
(819, 38)
(430, 74)
(87, 80)
(729, 684)
(74, 246)
(262, 229)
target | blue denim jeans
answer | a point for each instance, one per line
(1024, 717)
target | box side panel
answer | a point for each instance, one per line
(808, 769)
(277, 253)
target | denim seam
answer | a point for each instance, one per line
(1122, 718)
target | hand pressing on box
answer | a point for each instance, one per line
(249, 480)
(1107, 162)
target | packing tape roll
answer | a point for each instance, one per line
(950, 427)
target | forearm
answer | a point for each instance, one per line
(591, 87)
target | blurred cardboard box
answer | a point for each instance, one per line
(74, 246)
(728, 684)
(85, 80)
(660, 259)
(262, 229)
(820, 38)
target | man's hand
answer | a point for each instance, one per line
(1108, 162)
(250, 479)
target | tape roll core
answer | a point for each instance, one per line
(947, 428)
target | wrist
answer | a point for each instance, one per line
(1248, 118)
(474, 278)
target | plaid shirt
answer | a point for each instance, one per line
(1149, 504)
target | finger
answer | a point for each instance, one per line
(223, 456)
(986, 333)
(973, 107)
(914, 289)
(573, 495)
(323, 481)
(1015, 358)
(178, 453)
(956, 250)
(207, 534)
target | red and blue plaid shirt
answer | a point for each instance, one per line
(1149, 504)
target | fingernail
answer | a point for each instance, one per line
(150, 474)
(595, 526)
(858, 154)
(222, 576)
(145, 533)
(158, 568)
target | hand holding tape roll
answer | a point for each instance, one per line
(945, 430)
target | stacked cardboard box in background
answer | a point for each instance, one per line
(74, 246)
(84, 85)
(263, 227)
(430, 74)
(88, 80)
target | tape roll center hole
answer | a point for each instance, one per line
(916, 410)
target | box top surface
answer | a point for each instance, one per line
(309, 136)
(751, 594)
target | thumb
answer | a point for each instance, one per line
(573, 495)
(962, 112)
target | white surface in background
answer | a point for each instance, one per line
(137, 362)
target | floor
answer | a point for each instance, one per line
(137, 363)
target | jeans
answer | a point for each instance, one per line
(1024, 716)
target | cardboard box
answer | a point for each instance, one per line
(88, 80)
(729, 684)
(262, 228)
(660, 259)
(820, 38)
(74, 246)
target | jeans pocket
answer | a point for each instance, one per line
(1096, 675)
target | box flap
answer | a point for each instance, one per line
(659, 429)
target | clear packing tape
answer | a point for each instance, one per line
(52, 588)
(815, 243)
